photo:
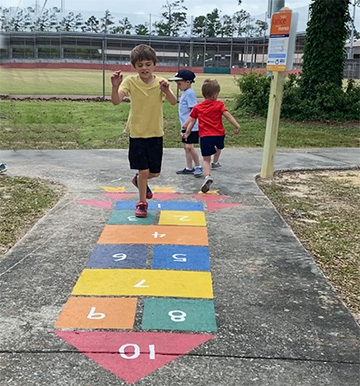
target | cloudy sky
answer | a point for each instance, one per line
(139, 12)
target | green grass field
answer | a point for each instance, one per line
(84, 125)
(96, 125)
(86, 82)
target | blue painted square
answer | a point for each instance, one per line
(118, 256)
(163, 205)
(181, 257)
(125, 205)
(180, 205)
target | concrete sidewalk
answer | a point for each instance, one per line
(279, 320)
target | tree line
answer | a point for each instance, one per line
(173, 22)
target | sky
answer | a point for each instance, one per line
(139, 12)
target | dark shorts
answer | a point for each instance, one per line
(192, 138)
(146, 153)
(209, 145)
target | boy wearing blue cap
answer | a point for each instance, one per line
(184, 80)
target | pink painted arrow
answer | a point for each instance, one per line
(212, 201)
(132, 355)
(118, 196)
(98, 203)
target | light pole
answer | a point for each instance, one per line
(351, 49)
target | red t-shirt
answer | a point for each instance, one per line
(209, 114)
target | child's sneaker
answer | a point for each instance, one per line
(149, 193)
(198, 172)
(141, 209)
(206, 185)
(2, 168)
(216, 165)
(185, 171)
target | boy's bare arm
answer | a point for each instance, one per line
(169, 95)
(188, 125)
(116, 95)
(232, 120)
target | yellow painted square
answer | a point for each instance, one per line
(183, 218)
(144, 282)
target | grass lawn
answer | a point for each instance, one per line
(95, 125)
(86, 82)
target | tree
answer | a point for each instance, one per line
(199, 26)
(227, 26)
(261, 27)
(174, 19)
(213, 23)
(141, 29)
(92, 24)
(106, 21)
(124, 27)
(70, 22)
(324, 51)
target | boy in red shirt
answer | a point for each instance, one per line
(211, 130)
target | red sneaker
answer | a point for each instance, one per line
(141, 209)
(149, 193)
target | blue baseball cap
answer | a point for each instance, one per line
(184, 75)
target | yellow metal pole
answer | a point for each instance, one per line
(272, 123)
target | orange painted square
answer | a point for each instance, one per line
(118, 313)
(153, 234)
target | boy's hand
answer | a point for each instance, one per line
(237, 130)
(116, 78)
(164, 86)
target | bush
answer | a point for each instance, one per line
(328, 103)
(254, 96)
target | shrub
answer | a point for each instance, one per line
(327, 103)
(254, 96)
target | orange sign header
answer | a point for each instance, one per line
(280, 23)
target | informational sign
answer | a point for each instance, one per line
(279, 41)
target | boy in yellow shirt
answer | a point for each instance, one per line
(145, 122)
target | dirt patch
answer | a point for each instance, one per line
(323, 209)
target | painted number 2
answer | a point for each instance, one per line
(136, 349)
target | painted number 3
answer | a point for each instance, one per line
(177, 316)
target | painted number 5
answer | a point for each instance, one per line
(179, 259)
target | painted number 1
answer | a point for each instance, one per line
(136, 351)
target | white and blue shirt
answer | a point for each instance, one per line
(186, 102)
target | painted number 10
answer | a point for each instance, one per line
(136, 349)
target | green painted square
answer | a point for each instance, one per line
(179, 314)
(127, 217)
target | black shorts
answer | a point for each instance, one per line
(209, 145)
(146, 153)
(192, 138)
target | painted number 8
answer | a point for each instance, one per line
(177, 316)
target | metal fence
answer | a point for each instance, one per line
(205, 52)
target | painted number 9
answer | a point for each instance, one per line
(177, 316)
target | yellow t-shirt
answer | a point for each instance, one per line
(146, 112)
